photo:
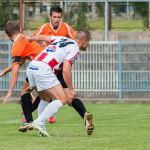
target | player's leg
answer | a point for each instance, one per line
(42, 106)
(48, 87)
(78, 105)
(31, 104)
(57, 93)
(26, 102)
(80, 108)
(51, 109)
(75, 103)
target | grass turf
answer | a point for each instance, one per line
(117, 127)
(119, 25)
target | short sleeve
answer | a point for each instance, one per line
(73, 55)
(18, 47)
(40, 30)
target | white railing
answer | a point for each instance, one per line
(107, 69)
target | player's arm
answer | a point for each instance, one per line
(17, 60)
(67, 75)
(17, 55)
(8, 69)
(39, 38)
(5, 71)
(13, 80)
(23, 60)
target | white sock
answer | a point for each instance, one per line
(42, 106)
(49, 110)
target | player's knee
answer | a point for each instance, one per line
(69, 103)
(63, 100)
(25, 98)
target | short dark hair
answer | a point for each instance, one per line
(55, 9)
(83, 34)
(11, 28)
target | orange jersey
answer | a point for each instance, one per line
(63, 30)
(23, 48)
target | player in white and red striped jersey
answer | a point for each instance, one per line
(59, 49)
(53, 57)
(42, 74)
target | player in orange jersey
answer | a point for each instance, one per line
(56, 27)
(21, 50)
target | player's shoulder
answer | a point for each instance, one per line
(66, 25)
(20, 39)
(44, 26)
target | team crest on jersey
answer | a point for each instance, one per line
(51, 49)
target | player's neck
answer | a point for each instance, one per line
(15, 36)
(79, 43)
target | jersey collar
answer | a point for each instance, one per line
(53, 28)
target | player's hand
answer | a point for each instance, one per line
(70, 94)
(73, 93)
(29, 37)
(43, 44)
(2, 74)
(5, 99)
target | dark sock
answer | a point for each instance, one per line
(26, 103)
(35, 103)
(79, 107)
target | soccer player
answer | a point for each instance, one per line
(21, 54)
(56, 27)
(21, 50)
(42, 72)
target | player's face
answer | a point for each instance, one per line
(84, 45)
(55, 19)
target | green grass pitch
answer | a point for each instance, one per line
(118, 126)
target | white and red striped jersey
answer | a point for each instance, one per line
(60, 49)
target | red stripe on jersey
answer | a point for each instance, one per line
(60, 66)
(73, 59)
(52, 40)
(55, 71)
(42, 56)
(53, 63)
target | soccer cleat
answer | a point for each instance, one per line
(26, 126)
(41, 128)
(89, 123)
(41, 134)
(52, 119)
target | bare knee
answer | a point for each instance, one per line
(63, 100)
